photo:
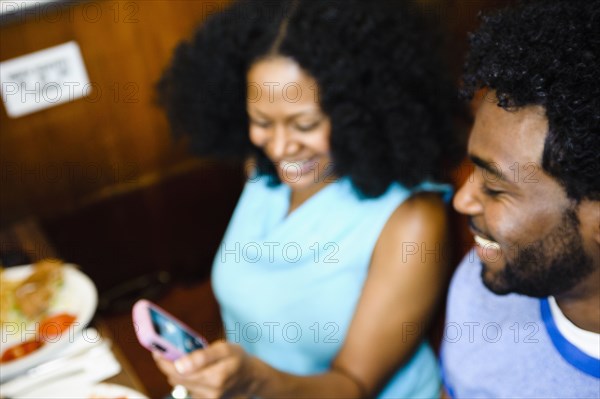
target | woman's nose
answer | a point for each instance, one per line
(467, 200)
(282, 144)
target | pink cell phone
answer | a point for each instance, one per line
(158, 331)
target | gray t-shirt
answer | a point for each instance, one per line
(508, 346)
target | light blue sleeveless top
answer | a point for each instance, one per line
(288, 285)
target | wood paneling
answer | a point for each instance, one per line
(54, 160)
(57, 160)
(173, 225)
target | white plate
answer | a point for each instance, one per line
(76, 391)
(77, 296)
(114, 391)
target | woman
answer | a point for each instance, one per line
(332, 261)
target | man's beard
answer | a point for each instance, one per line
(550, 266)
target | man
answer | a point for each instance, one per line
(523, 317)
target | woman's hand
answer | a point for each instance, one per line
(220, 370)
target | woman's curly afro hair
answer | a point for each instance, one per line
(548, 53)
(380, 82)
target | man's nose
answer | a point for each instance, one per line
(467, 200)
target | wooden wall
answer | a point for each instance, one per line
(62, 158)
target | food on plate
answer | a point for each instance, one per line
(20, 350)
(7, 297)
(52, 327)
(31, 297)
(29, 304)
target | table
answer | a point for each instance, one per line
(127, 376)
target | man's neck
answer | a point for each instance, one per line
(581, 305)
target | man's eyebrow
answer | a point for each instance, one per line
(490, 167)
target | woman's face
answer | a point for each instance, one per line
(287, 123)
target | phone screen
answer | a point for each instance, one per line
(172, 332)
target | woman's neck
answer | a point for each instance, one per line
(298, 197)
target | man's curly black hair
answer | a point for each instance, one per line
(380, 82)
(548, 53)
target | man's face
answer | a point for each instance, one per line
(529, 233)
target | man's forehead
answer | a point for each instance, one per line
(505, 137)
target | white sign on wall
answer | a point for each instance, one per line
(43, 79)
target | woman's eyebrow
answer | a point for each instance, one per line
(292, 116)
